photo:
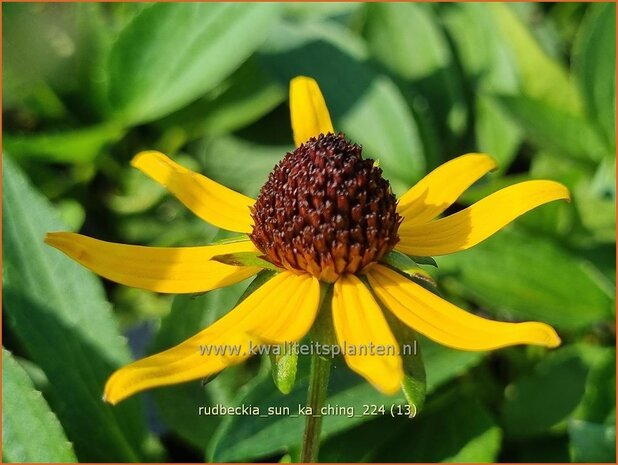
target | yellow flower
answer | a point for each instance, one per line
(325, 214)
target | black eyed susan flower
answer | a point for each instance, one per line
(325, 214)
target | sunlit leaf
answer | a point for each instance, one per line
(541, 77)
(365, 105)
(30, 430)
(241, 164)
(496, 133)
(170, 54)
(408, 39)
(552, 128)
(528, 277)
(72, 146)
(58, 312)
(247, 96)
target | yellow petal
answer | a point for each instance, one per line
(212, 202)
(280, 311)
(476, 223)
(442, 187)
(447, 324)
(160, 269)
(359, 326)
(308, 111)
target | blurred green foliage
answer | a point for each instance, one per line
(87, 85)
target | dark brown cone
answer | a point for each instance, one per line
(325, 210)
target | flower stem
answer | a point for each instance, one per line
(318, 379)
(320, 372)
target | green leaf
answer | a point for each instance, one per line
(240, 164)
(72, 213)
(245, 259)
(171, 54)
(414, 385)
(596, 202)
(545, 399)
(72, 146)
(245, 97)
(496, 134)
(250, 437)
(442, 364)
(594, 58)
(34, 372)
(321, 10)
(424, 260)
(137, 193)
(530, 277)
(540, 76)
(231, 240)
(30, 430)
(365, 105)
(599, 401)
(591, 219)
(489, 67)
(482, 49)
(361, 442)
(592, 443)
(94, 42)
(49, 46)
(554, 129)
(467, 430)
(400, 261)
(407, 263)
(58, 312)
(408, 40)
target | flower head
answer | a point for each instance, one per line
(325, 214)
(325, 210)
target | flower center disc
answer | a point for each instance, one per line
(325, 210)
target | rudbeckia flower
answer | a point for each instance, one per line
(327, 215)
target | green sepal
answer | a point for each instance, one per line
(283, 363)
(260, 278)
(283, 369)
(423, 260)
(408, 266)
(231, 240)
(405, 262)
(414, 384)
(322, 329)
(208, 379)
(245, 259)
